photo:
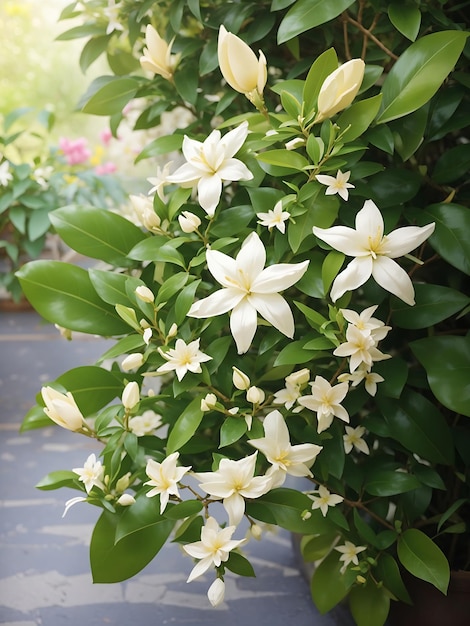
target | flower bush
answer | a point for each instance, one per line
(280, 301)
(36, 177)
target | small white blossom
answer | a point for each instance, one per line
(130, 395)
(5, 174)
(349, 554)
(208, 402)
(363, 374)
(164, 478)
(353, 439)
(159, 181)
(132, 361)
(336, 184)
(145, 294)
(126, 499)
(145, 424)
(324, 500)
(326, 402)
(240, 379)
(189, 222)
(216, 592)
(255, 395)
(91, 474)
(62, 409)
(274, 218)
(360, 348)
(183, 358)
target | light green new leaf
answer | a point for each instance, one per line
(406, 18)
(63, 294)
(92, 387)
(369, 604)
(185, 426)
(422, 558)
(56, 480)
(307, 14)
(161, 145)
(111, 97)
(419, 73)
(358, 117)
(284, 158)
(322, 67)
(97, 233)
(448, 375)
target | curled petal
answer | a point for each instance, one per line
(209, 190)
(217, 303)
(234, 169)
(355, 275)
(403, 240)
(234, 139)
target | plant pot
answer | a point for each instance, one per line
(432, 608)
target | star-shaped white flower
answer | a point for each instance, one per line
(353, 439)
(5, 174)
(249, 288)
(274, 218)
(210, 163)
(213, 549)
(336, 184)
(325, 401)
(234, 481)
(183, 358)
(360, 348)
(363, 374)
(91, 474)
(164, 478)
(324, 500)
(284, 457)
(374, 252)
(365, 322)
(145, 424)
(349, 554)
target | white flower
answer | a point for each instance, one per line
(157, 57)
(144, 214)
(284, 457)
(5, 174)
(287, 396)
(365, 322)
(62, 409)
(42, 174)
(274, 218)
(211, 162)
(71, 503)
(213, 549)
(126, 499)
(249, 288)
(183, 358)
(208, 402)
(130, 395)
(336, 184)
(160, 180)
(234, 481)
(325, 499)
(145, 294)
(164, 478)
(189, 222)
(216, 592)
(353, 438)
(360, 348)
(363, 374)
(325, 401)
(112, 13)
(239, 65)
(374, 252)
(255, 395)
(240, 379)
(349, 554)
(340, 88)
(145, 424)
(91, 474)
(132, 361)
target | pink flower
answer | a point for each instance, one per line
(105, 168)
(105, 136)
(75, 150)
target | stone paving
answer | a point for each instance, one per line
(44, 570)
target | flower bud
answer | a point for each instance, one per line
(173, 331)
(131, 395)
(189, 222)
(147, 336)
(301, 377)
(239, 379)
(126, 499)
(256, 532)
(123, 483)
(340, 88)
(239, 65)
(144, 293)
(62, 409)
(66, 333)
(295, 143)
(132, 361)
(216, 592)
(208, 403)
(157, 57)
(255, 395)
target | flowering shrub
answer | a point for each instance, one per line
(279, 303)
(37, 177)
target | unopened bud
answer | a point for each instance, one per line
(132, 361)
(147, 336)
(301, 377)
(295, 143)
(123, 483)
(131, 395)
(208, 403)
(256, 532)
(126, 499)
(173, 331)
(305, 515)
(239, 379)
(144, 293)
(255, 395)
(216, 592)
(189, 222)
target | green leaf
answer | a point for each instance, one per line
(114, 562)
(284, 158)
(171, 286)
(406, 18)
(389, 483)
(452, 165)
(184, 301)
(389, 572)
(182, 510)
(448, 375)
(294, 353)
(450, 238)
(111, 287)
(35, 418)
(434, 303)
(329, 585)
(123, 346)
(419, 72)
(287, 506)
(92, 387)
(358, 117)
(307, 14)
(93, 48)
(238, 564)
(395, 374)
(330, 268)
(369, 604)
(97, 233)
(323, 66)
(418, 425)
(422, 558)
(316, 547)
(56, 480)
(112, 97)
(161, 145)
(63, 294)
(185, 426)
(232, 430)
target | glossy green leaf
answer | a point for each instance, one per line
(389, 483)
(63, 294)
(329, 585)
(112, 97)
(307, 14)
(184, 301)
(287, 506)
(284, 158)
(418, 425)
(185, 426)
(448, 375)
(171, 286)
(389, 572)
(408, 132)
(56, 480)
(323, 66)
(452, 165)
(406, 17)
(316, 547)
(161, 145)
(358, 117)
(110, 286)
(97, 233)
(232, 430)
(369, 604)
(35, 418)
(422, 558)
(240, 565)
(419, 73)
(114, 562)
(182, 510)
(394, 371)
(434, 303)
(92, 387)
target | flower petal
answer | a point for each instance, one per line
(404, 240)
(251, 258)
(275, 310)
(369, 220)
(355, 275)
(345, 239)
(209, 190)
(234, 140)
(235, 507)
(243, 323)
(279, 277)
(222, 267)
(234, 169)
(217, 303)
(394, 279)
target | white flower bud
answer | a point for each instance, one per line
(239, 379)
(62, 409)
(208, 403)
(126, 499)
(131, 395)
(340, 88)
(145, 294)
(147, 336)
(132, 361)
(301, 377)
(188, 222)
(123, 483)
(216, 592)
(239, 65)
(255, 395)
(256, 532)
(173, 331)
(295, 143)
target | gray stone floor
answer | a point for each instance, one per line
(44, 571)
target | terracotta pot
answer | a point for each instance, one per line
(431, 607)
